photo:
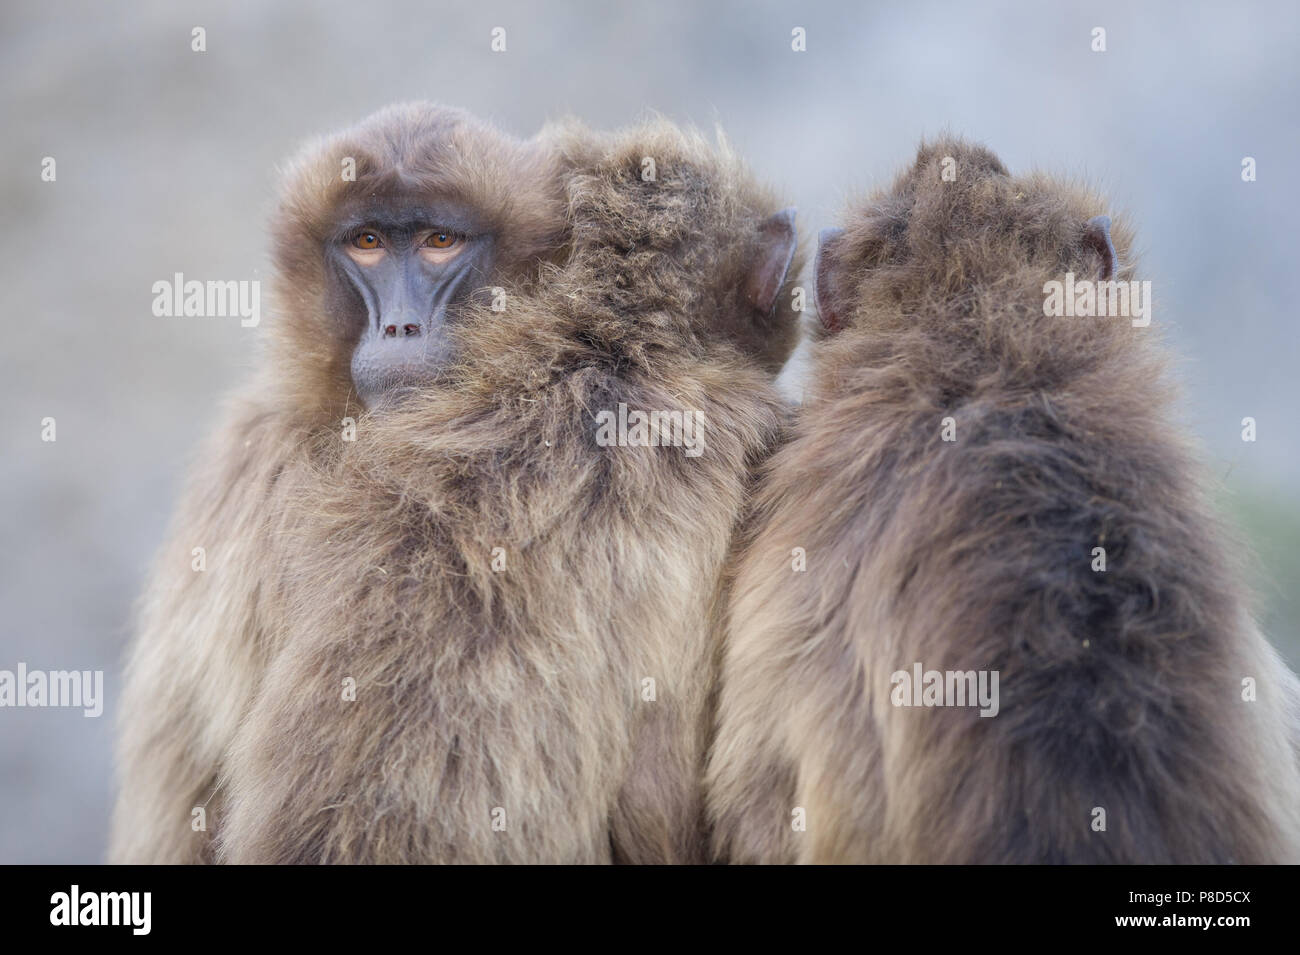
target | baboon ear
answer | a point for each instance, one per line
(777, 241)
(1096, 236)
(826, 268)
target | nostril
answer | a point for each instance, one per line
(390, 331)
(411, 329)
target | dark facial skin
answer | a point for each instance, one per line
(401, 265)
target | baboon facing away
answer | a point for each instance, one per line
(474, 632)
(977, 486)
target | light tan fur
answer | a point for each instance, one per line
(483, 695)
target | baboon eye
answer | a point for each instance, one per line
(441, 240)
(367, 240)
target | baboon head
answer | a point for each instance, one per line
(386, 230)
(957, 226)
(674, 237)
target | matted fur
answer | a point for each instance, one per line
(1120, 690)
(477, 689)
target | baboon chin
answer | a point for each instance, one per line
(460, 625)
(978, 486)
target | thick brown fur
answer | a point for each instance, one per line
(1119, 689)
(477, 690)
(203, 638)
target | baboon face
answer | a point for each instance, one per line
(390, 229)
(957, 221)
(399, 266)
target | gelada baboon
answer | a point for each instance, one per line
(479, 631)
(213, 610)
(978, 487)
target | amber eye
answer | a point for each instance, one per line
(441, 240)
(366, 240)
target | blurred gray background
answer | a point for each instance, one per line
(165, 164)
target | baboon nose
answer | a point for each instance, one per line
(411, 329)
(390, 331)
